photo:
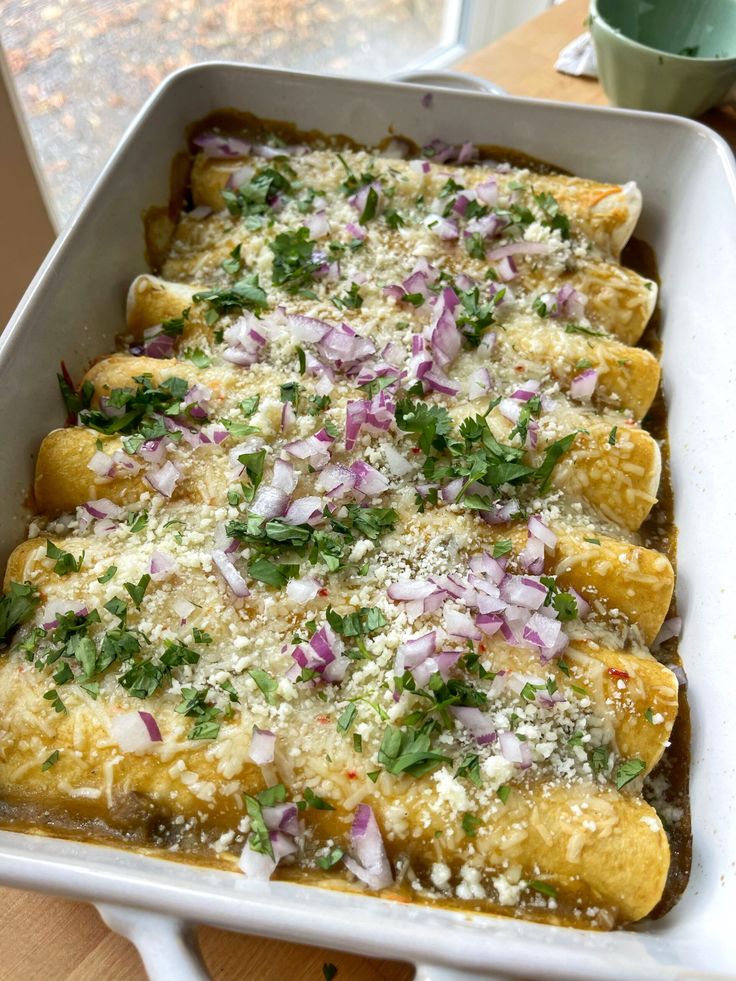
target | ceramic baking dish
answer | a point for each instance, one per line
(73, 309)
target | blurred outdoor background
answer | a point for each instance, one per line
(82, 68)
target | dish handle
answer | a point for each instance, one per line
(167, 946)
(450, 80)
(438, 972)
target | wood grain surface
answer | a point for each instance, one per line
(57, 940)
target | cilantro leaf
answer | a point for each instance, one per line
(64, 561)
(17, 606)
(627, 771)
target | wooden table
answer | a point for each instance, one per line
(55, 939)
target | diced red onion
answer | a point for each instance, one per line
(507, 269)
(541, 630)
(304, 510)
(514, 750)
(531, 557)
(468, 152)
(519, 248)
(318, 225)
(133, 733)
(152, 726)
(101, 464)
(523, 591)
(302, 590)
(222, 147)
(570, 303)
(164, 478)
(669, 629)
(183, 609)
(103, 508)
(369, 480)
(154, 450)
(343, 347)
(485, 564)
(284, 476)
(371, 864)
(583, 385)
(539, 529)
(201, 211)
(270, 502)
(501, 512)
(282, 817)
(487, 192)
(313, 448)
(478, 723)
(526, 391)
(161, 565)
(360, 198)
(489, 623)
(479, 383)
(406, 590)
(439, 382)
(262, 746)
(230, 574)
(357, 231)
(156, 345)
(443, 228)
(459, 624)
(288, 416)
(336, 480)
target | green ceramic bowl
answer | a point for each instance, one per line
(665, 55)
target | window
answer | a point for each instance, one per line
(82, 68)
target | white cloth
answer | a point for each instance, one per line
(578, 57)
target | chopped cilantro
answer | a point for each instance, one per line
(64, 561)
(50, 761)
(245, 294)
(328, 860)
(256, 198)
(266, 683)
(503, 793)
(407, 751)
(55, 699)
(393, 219)
(366, 620)
(579, 329)
(137, 590)
(470, 824)
(346, 718)
(627, 771)
(543, 887)
(470, 767)
(108, 574)
(352, 300)
(552, 216)
(142, 408)
(294, 262)
(17, 606)
(260, 839)
(198, 357)
(234, 262)
(371, 203)
(315, 802)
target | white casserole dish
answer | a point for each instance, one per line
(73, 309)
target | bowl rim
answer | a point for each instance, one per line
(595, 15)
